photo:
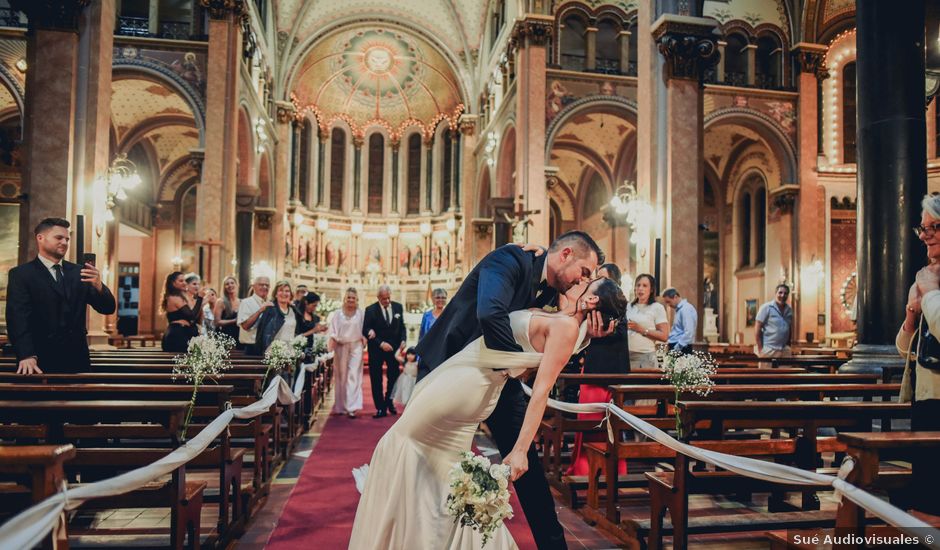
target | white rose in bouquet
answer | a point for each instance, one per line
(479, 494)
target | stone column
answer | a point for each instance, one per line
(529, 38)
(49, 118)
(153, 19)
(454, 171)
(469, 176)
(624, 40)
(92, 146)
(215, 199)
(751, 64)
(590, 41)
(297, 127)
(429, 175)
(357, 172)
(811, 207)
(720, 68)
(396, 148)
(324, 136)
(282, 165)
(892, 175)
(689, 47)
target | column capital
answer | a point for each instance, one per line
(689, 44)
(784, 197)
(358, 141)
(468, 124)
(286, 111)
(551, 177)
(196, 158)
(395, 143)
(811, 57)
(533, 29)
(220, 9)
(51, 15)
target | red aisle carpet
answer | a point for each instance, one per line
(322, 506)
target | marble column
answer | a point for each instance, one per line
(396, 149)
(720, 68)
(811, 207)
(429, 177)
(624, 41)
(454, 171)
(358, 141)
(689, 47)
(52, 51)
(244, 225)
(529, 38)
(468, 142)
(590, 41)
(321, 165)
(297, 127)
(892, 175)
(751, 64)
(92, 146)
(284, 113)
(215, 201)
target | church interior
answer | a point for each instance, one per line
(725, 147)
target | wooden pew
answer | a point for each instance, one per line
(670, 490)
(43, 466)
(93, 419)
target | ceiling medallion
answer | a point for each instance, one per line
(378, 60)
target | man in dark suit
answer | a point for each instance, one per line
(46, 301)
(384, 326)
(511, 279)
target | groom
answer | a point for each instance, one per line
(512, 279)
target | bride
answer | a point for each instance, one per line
(403, 504)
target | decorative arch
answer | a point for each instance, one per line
(13, 86)
(583, 106)
(774, 136)
(246, 151)
(506, 164)
(141, 68)
(139, 132)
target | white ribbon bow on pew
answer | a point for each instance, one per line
(30, 527)
(767, 471)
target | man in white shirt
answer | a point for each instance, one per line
(249, 310)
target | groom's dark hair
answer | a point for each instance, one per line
(580, 242)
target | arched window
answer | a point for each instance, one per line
(303, 180)
(337, 168)
(447, 169)
(848, 113)
(376, 172)
(413, 187)
(736, 60)
(608, 47)
(175, 19)
(768, 64)
(760, 224)
(745, 217)
(574, 44)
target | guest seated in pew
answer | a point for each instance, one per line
(281, 322)
(46, 305)
(921, 383)
(250, 310)
(607, 355)
(647, 321)
(183, 313)
(226, 309)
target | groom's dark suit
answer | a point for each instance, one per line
(507, 279)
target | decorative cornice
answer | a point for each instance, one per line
(196, 158)
(467, 124)
(264, 217)
(812, 58)
(220, 9)
(784, 198)
(286, 112)
(51, 15)
(689, 45)
(535, 30)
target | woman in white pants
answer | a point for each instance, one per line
(346, 341)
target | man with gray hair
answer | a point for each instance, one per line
(250, 309)
(384, 326)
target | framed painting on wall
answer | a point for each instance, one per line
(750, 312)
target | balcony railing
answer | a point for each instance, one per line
(12, 18)
(136, 213)
(572, 62)
(168, 30)
(133, 26)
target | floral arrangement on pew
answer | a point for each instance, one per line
(280, 356)
(479, 494)
(206, 355)
(319, 345)
(688, 372)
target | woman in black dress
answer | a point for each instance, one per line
(183, 313)
(226, 309)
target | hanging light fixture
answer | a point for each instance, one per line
(112, 187)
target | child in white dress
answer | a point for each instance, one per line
(409, 376)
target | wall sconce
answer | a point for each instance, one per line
(322, 225)
(21, 65)
(451, 224)
(297, 219)
(356, 228)
(121, 176)
(490, 148)
(262, 269)
(392, 229)
(177, 261)
(425, 228)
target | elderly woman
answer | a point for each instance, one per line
(346, 341)
(280, 322)
(922, 384)
(439, 297)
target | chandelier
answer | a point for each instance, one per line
(121, 176)
(634, 210)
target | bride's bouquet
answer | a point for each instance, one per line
(479, 494)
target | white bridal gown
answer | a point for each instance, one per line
(403, 505)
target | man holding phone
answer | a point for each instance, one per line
(46, 305)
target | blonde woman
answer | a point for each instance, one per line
(346, 341)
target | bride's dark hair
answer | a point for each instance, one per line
(610, 300)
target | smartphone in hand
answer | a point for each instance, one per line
(89, 258)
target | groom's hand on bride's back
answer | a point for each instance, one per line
(529, 247)
(596, 328)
